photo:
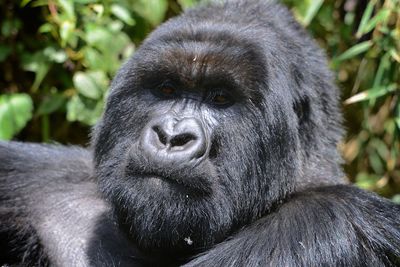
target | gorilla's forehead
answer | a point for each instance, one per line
(204, 57)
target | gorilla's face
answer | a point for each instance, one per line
(194, 143)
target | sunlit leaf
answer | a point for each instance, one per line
(375, 162)
(372, 93)
(47, 27)
(366, 181)
(354, 51)
(15, 112)
(66, 32)
(79, 109)
(152, 10)
(68, 7)
(85, 1)
(381, 17)
(312, 10)
(55, 55)
(123, 14)
(87, 85)
(397, 117)
(383, 66)
(395, 54)
(365, 18)
(396, 199)
(39, 64)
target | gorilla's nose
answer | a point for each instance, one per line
(170, 139)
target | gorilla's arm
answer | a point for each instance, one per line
(327, 226)
(50, 210)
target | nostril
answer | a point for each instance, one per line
(162, 136)
(167, 139)
(182, 139)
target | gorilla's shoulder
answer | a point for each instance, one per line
(337, 225)
(44, 161)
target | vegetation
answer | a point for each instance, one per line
(57, 58)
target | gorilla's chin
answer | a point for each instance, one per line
(170, 187)
(157, 213)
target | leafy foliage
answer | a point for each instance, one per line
(15, 112)
(61, 54)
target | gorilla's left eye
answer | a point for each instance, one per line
(166, 91)
(220, 98)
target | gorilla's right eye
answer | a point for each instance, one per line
(165, 90)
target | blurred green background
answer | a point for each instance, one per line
(57, 58)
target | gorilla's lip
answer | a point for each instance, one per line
(175, 183)
(178, 184)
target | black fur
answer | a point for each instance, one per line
(266, 190)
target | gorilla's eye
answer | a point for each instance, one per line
(166, 90)
(220, 98)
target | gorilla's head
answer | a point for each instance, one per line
(211, 123)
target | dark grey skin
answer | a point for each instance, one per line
(217, 148)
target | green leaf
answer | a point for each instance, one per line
(24, 3)
(354, 51)
(383, 66)
(312, 10)
(396, 199)
(372, 93)
(306, 10)
(375, 162)
(47, 27)
(397, 117)
(93, 59)
(5, 50)
(67, 33)
(397, 120)
(15, 112)
(110, 46)
(11, 26)
(381, 17)
(68, 7)
(365, 18)
(50, 104)
(366, 180)
(85, 1)
(86, 85)
(187, 3)
(152, 10)
(123, 14)
(37, 63)
(99, 9)
(58, 56)
(86, 111)
(91, 84)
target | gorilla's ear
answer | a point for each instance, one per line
(301, 107)
(301, 103)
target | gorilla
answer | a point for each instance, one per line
(217, 147)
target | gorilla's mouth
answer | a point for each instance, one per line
(162, 181)
(184, 184)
